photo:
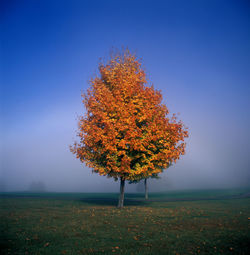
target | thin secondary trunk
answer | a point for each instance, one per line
(121, 197)
(146, 188)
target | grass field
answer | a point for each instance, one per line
(191, 222)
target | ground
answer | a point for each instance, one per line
(186, 222)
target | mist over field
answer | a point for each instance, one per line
(197, 55)
(40, 152)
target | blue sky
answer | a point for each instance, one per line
(196, 52)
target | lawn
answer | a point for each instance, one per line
(186, 222)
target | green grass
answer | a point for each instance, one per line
(190, 222)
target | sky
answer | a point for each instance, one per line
(196, 52)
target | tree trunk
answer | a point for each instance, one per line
(121, 198)
(146, 188)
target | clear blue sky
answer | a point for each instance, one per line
(196, 52)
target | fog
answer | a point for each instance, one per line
(38, 151)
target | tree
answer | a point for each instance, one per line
(153, 176)
(145, 184)
(37, 186)
(126, 132)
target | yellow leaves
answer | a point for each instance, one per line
(126, 130)
(122, 144)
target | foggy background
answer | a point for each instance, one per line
(196, 52)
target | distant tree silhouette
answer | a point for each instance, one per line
(143, 186)
(37, 186)
(2, 186)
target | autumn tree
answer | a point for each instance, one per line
(127, 132)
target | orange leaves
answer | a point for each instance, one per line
(126, 131)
